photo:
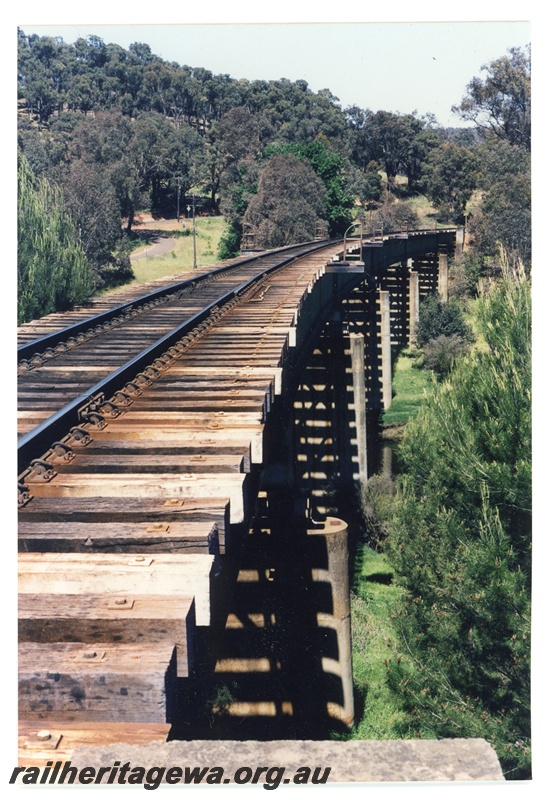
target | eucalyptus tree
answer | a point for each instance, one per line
(231, 167)
(505, 216)
(400, 143)
(43, 75)
(500, 104)
(289, 205)
(449, 178)
(91, 200)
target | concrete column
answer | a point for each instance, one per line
(387, 462)
(442, 277)
(414, 306)
(385, 342)
(359, 395)
(459, 243)
(338, 618)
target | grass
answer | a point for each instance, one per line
(373, 637)
(409, 387)
(180, 259)
(427, 214)
(470, 316)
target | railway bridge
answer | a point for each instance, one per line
(186, 463)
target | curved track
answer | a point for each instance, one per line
(140, 450)
(61, 369)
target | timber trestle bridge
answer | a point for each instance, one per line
(182, 457)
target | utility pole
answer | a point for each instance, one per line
(194, 236)
(178, 194)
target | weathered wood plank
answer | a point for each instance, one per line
(228, 454)
(37, 744)
(100, 573)
(87, 461)
(153, 485)
(112, 537)
(128, 509)
(119, 683)
(124, 619)
(186, 435)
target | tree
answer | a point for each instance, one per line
(441, 319)
(107, 141)
(289, 205)
(449, 178)
(505, 217)
(390, 138)
(394, 216)
(43, 74)
(330, 167)
(52, 270)
(240, 135)
(91, 200)
(500, 105)
(459, 542)
(365, 185)
(399, 142)
(424, 141)
(232, 167)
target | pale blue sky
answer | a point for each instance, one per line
(398, 66)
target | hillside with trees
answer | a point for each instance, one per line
(117, 131)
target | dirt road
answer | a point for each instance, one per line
(158, 247)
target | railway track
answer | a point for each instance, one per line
(143, 432)
(97, 355)
(141, 439)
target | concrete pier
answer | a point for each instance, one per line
(414, 306)
(385, 345)
(359, 399)
(338, 618)
(442, 277)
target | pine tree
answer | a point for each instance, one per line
(460, 542)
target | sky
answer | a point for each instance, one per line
(394, 66)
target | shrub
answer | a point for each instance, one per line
(376, 498)
(438, 318)
(395, 217)
(230, 242)
(441, 353)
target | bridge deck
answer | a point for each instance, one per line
(145, 508)
(157, 490)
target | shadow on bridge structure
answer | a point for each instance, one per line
(281, 657)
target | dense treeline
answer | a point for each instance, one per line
(122, 130)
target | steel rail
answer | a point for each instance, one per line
(51, 340)
(39, 441)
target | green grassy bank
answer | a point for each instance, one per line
(409, 388)
(373, 599)
(181, 257)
